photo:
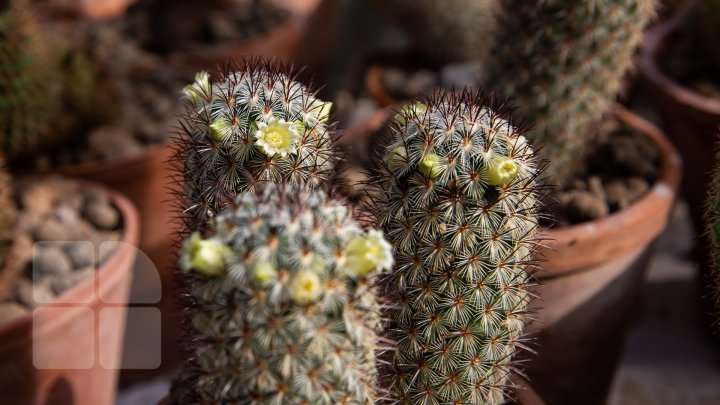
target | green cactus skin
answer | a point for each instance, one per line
(445, 31)
(712, 221)
(285, 307)
(563, 64)
(456, 194)
(255, 124)
(30, 95)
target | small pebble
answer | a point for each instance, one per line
(10, 311)
(102, 215)
(50, 230)
(61, 284)
(34, 294)
(50, 260)
(81, 254)
(582, 206)
(112, 143)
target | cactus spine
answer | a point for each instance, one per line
(563, 63)
(30, 94)
(254, 124)
(456, 195)
(285, 308)
(447, 31)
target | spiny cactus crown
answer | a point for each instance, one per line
(563, 64)
(286, 311)
(456, 195)
(254, 124)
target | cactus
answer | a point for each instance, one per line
(8, 213)
(30, 94)
(712, 220)
(285, 308)
(456, 194)
(563, 63)
(445, 31)
(254, 124)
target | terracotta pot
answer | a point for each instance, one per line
(589, 283)
(144, 179)
(522, 393)
(73, 335)
(98, 9)
(282, 42)
(691, 119)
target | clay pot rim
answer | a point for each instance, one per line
(641, 210)
(103, 165)
(125, 251)
(652, 49)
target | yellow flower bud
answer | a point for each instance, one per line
(305, 287)
(501, 171)
(205, 256)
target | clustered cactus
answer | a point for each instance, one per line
(30, 95)
(286, 309)
(446, 31)
(255, 124)
(712, 220)
(563, 63)
(456, 195)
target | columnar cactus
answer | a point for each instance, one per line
(285, 308)
(712, 219)
(456, 194)
(563, 63)
(30, 92)
(256, 123)
(447, 31)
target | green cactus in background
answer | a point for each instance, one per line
(285, 308)
(30, 93)
(456, 194)
(712, 220)
(446, 31)
(255, 124)
(563, 63)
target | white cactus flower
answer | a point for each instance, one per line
(277, 137)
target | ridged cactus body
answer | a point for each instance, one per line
(563, 64)
(29, 88)
(285, 311)
(254, 124)
(446, 31)
(457, 197)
